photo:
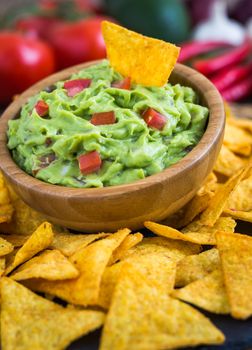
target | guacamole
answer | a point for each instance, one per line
(97, 129)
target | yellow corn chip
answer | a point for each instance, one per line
(16, 240)
(228, 163)
(171, 249)
(109, 280)
(24, 221)
(195, 267)
(228, 111)
(2, 266)
(150, 319)
(169, 232)
(205, 235)
(6, 209)
(200, 201)
(37, 242)
(69, 243)
(50, 265)
(236, 259)
(154, 266)
(195, 207)
(146, 60)
(207, 293)
(91, 262)
(30, 322)
(5, 247)
(129, 242)
(241, 197)
(239, 215)
(219, 200)
(237, 140)
(242, 123)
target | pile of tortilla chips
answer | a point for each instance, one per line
(142, 289)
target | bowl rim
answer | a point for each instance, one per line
(213, 132)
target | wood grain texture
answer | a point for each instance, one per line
(107, 209)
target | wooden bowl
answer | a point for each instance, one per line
(110, 208)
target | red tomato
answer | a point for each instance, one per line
(123, 84)
(36, 26)
(78, 42)
(103, 118)
(42, 108)
(23, 61)
(75, 86)
(154, 119)
(90, 162)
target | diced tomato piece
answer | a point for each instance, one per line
(89, 162)
(103, 118)
(42, 108)
(123, 84)
(154, 119)
(73, 87)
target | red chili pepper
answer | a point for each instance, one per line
(103, 118)
(238, 91)
(154, 119)
(122, 84)
(194, 48)
(230, 76)
(210, 66)
(73, 87)
(41, 108)
(89, 162)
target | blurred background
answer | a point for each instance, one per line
(39, 37)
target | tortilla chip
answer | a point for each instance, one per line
(5, 247)
(239, 215)
(30, 322)
(6, 209)
(200, 201)
(207, 293)
(24, 220)
(169, 232)
(50, 265)
(155, 267)
(131, 54)
(16, 240)
(109, 280)
(228, 163)
(237, 140)
(228, 112)
(241, 197)
(209, 184)
(242, 123)
(195, 207)
(236, 259)
(172, 249)
(129, 242)
(205, 235)
(195, 267)
(91, 262)
(68, 243)
(37, 242)
(219, 200)
(2, 266)
(143, 316)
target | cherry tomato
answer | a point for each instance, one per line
(23, 61)
(78, 42)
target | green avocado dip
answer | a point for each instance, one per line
(64, 137)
